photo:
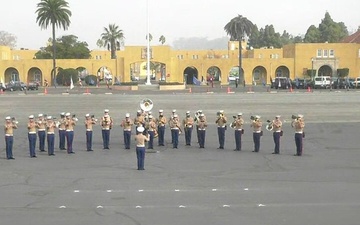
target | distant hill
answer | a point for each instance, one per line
(200, 43)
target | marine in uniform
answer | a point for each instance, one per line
(277, 133)
(50, 127)
(161, 122)
(221, 127)
(139, 120)
(106, 125)
(62, 132)
(175, 130)
(126, 124)
(32, 126)
(238, 126)
(70, 122)
(256, 124)
(298, 124)
(41, 123)
(9, 127)
(188, 124)
(151, 126)
(173, 112)
(201, 126)
(89, 122)
(140, 139)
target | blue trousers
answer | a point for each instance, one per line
(89, 140)
(32, 144)
(256, 139)
(62, 134)
(51, 143)
(238, 134)
(175, 137)
(127, 138)
(202, 138)
(276, 136)
(9, 141)
(42, 136)
(161, 137)
(106, 138)
(151, 140)
(221, 134)
(140, 154)
(299, 143)
(69, 140)
(188, 132)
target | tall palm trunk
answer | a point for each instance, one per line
(53, 72)
(240, 60)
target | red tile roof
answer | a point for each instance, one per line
(354, 38)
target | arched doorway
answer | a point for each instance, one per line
(138, 71)
(325, 70)
(83, 72)
(259, 76)
(104, 73)
(282, 71)
(234, 74)
(189, 74)
(214, 72)
(34, 76)
(11, 74)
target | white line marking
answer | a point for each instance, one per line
(177, 190)
(246, 189)
(108, 191)
(62, 207)
(182, 206)
(99, 207)
(261, 205)
(138, 207)
(141, 190)
(226, 206)
(76, 191)
(214, 189)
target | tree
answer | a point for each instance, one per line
(7, 39)
(111, 39)
(65, 75)
(237, 28)
(67, 48)
(150, 37)
(54, 13)
(162, 39)
(312, 35)
(344, 72)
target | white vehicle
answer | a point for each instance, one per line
(322, 82)
(356, 83)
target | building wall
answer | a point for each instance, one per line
(295, 58)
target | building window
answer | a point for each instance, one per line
(359, 53)
(195, 57)
(319, 53)
(225, 56)
(325, 53)
(180, 57)
(331, 53)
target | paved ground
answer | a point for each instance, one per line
(188, 185)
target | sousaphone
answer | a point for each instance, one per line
(146, 104)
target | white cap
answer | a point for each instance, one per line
(175, 115)
(200, 111)
(140, 129)
(160, 111)
(106, 110)
(62, 114)
(49, 117)
(187, 112)
(221, 111)
(127, 115)
(149, 113)
(139, 111)
(67, 114)
(277, 116)
(257, 117)
(8, 118)
(174, 110)
(87, 115)
(239, 114)
(40, 114)
(31, 117)
(150, 116)
(202, 114)
(300, 116)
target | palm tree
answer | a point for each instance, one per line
(150, 37)
(111, 38)
(237, 28)
(57, 14)
(162, 39)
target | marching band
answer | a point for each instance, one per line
(145, 123)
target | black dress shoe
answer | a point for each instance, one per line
(11, 158)
(71, 152)
(34, 156)
(254, 151)
(296, 155)
(90, 150)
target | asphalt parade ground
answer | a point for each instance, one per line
(187, 185)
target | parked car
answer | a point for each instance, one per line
(281, 83)
(14, 86)
(357, 82)
(33, 85)
(351, 82)
(301, 83)
(339, 83)
(322, 82)
(2, 87)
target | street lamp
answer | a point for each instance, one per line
(148, 46)
(312, 68)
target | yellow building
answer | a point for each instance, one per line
(167, 64)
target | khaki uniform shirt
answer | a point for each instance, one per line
(256, 124)
(9, 128)
(127, 124)
(277, 125)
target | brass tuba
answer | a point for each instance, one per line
(146, 105)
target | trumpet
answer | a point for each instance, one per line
(93, 118)
(294, 117)
(74, 118)
(269, 126)
(13, 120)
(232, 125)
(252, 118)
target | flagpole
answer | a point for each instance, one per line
(148, 45)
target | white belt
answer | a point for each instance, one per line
(299, 132)
(277, 131)
(8, 135)
(61, 129)
(68, 130)
(41, 129)
(257, 131)
(201, 128)
(189, 126)
(32, 132)
(140, 145)
(88, 130)
(106, 128)
(239, 129)
(50, 133)
(174, 128)
(161, 125)
(127, 129)
(221, 126)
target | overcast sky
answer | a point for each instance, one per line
(172, 18)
